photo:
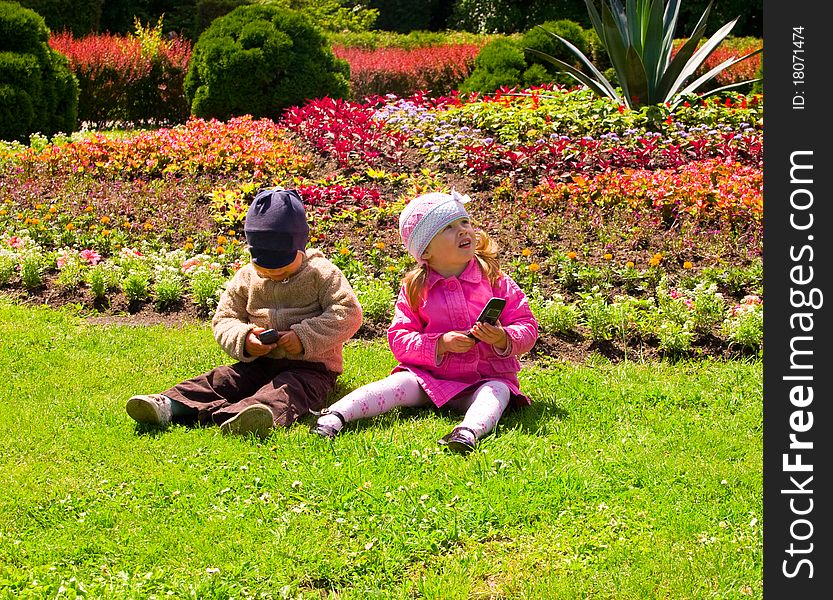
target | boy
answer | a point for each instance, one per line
(286, 287)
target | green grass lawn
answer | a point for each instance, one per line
(621, 481)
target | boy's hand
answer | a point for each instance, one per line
(254, 347)
(494, 335)
(454, 341)
(290, 342)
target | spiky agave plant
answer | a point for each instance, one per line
(639, 38)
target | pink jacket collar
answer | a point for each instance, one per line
(471, 274)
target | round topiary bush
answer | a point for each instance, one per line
(500, 63)
(539, 39)
(38, 93)
(260, 60)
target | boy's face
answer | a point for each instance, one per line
(282, 273)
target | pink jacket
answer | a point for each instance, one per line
(454, 303)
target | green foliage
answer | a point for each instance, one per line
(413, 39)
(81, 17)
(499, 64)
(744, 326)
(539, 39)
(8, 267)
(376, 297)
(260, 60)
(32, 268)
(639, 40)
(37, 90)
(136, 286)
(101, 280)
(167, 288)
(207, 286)
(554, 315)
(512, 16)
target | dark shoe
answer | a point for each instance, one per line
(255, 419)
(152, 409)
(458, 442)
(327, 431)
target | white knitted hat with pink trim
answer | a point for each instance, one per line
(425, 216)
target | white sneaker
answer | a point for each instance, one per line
(256, 419)
(153, 409)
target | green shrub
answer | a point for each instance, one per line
(207, 11)
(37, 90)
(539, 38)
(260, 60)
(499, 64)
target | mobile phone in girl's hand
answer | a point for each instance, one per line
(270, 336)
(491, 312)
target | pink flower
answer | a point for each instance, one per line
(751, 299)
(190, 264)
(15, 242)
(61, 261)
(91, 256)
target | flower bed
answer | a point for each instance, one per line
(619, 225)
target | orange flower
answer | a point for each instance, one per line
(70, 227)
(526, 252)
(105, 220)
(629, 264)
(687, 264)
(572, 255)
(221, 240)
(654, 261)
(607, 256)
(344, 251)
(534, 267)
(379, 245)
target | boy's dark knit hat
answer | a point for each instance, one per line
(276, 228)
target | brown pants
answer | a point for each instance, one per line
(290, 388)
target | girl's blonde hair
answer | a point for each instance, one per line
(485, 253)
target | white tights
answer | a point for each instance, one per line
(482, 408)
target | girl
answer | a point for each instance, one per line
(445, 358)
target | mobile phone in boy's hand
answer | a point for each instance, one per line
(491, 312)
(270, 336)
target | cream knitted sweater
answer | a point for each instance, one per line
(317, 303)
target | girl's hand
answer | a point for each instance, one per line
(254, 347)
(454, 341)
(493, 335)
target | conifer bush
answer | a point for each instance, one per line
(260, 60)
(500, 64)
(38, 93)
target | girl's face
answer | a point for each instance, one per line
(282, 273)
(452, 248)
